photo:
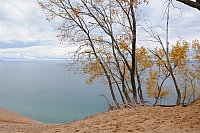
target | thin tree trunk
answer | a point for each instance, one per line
(178, 101)
(125, 92)
(139, 87)
(112, 92)
(184, 94)
(123, 87)
(105, 71)
(159, 89)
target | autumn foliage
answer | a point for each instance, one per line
(104, 33)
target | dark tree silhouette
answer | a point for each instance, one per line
(191, 3)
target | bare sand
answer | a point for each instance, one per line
(142, 119)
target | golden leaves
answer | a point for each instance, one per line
(146, 2)
(123, 39)
(41, 4)
(135, 3)
(128, 91)
(114, 11)
(164, 94)
(93, 68)
(122, 1)
(196, 49)
(144, 60)
(159, 53)
(151, 82)
(100, 39)
(123, 46)
(130, 3)
(178, 52)
(76, 11)
(98, 0)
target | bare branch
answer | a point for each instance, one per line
(191, 3)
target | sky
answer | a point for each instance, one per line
(26, 34)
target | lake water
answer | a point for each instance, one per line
(46, 92)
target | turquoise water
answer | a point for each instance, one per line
(46, 92)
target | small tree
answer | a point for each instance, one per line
(157, 77)
(172, 61)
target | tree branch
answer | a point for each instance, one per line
(191, 3)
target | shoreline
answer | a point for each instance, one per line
(142, 119)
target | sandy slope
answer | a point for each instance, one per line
(143, 119)
(7, 116)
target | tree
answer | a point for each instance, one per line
(103, 51)
(169, 61)
(163, 53)
(104, 33)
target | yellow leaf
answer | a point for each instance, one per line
(123, 45)
(76, 11)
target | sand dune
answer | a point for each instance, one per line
(7, 116)
(142, 119)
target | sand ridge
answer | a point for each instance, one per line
(142, 119)
(7, 116)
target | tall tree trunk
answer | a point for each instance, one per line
(178, 101)
(133, 55)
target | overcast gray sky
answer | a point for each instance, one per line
(25, 33)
